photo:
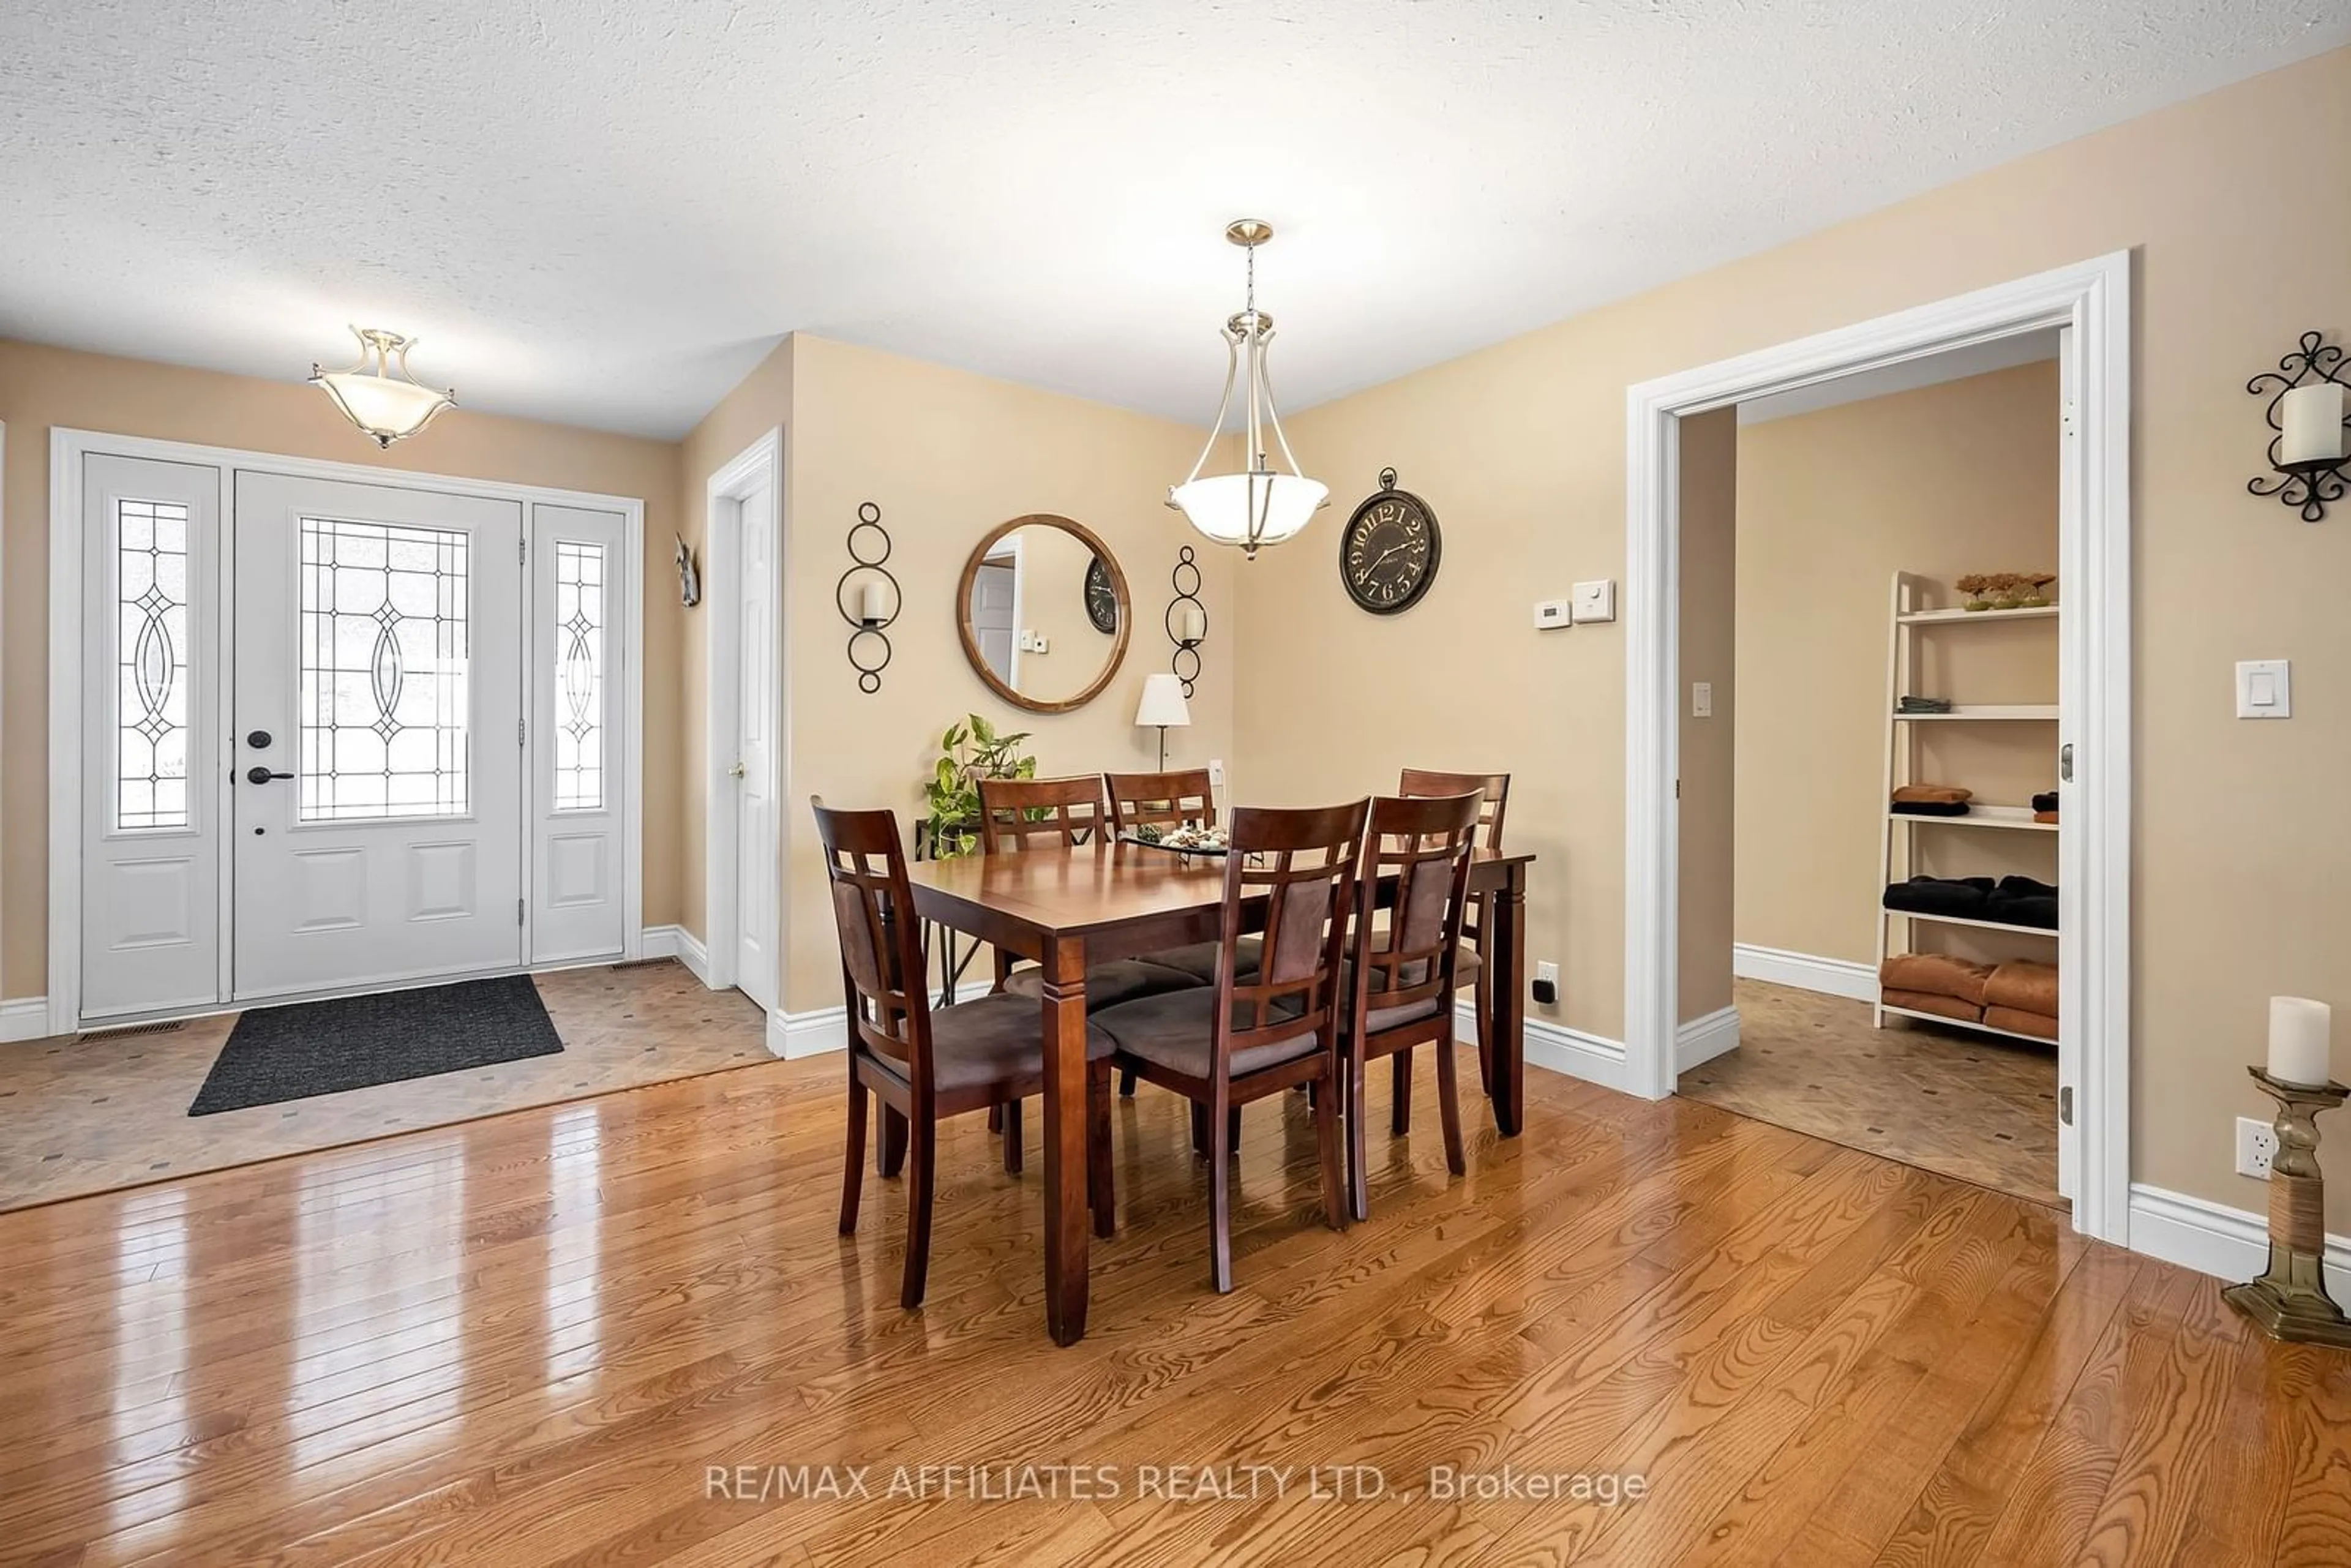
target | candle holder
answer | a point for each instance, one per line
(1185, 663)
(2309, 487)
(861, 651)
(2289, 1301)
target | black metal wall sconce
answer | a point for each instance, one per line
(1187, 620)
(873, 610)
(2307, 411)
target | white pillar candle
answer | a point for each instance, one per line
(2298, 1029)
(2310, 423)
(873, 606)
(1191, 623)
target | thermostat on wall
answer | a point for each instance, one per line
(1552, 615)
(1595, 600)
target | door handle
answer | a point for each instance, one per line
(263, 776)
(735, 772)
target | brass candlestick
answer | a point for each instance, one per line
(2290, 1299)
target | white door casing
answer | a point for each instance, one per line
(149, 797)
(579, 672)
(745, 547)
(378, 832)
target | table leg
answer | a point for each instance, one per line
(1506, 964)
(1067, 1215)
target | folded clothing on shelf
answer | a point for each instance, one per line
(1931, 808)
(1935, 794)
(2045, 802)
(1936, 1003)
(1937, 974)
(2020, 901)
(1923, 705)
(2040, 1026)
(1961, 897)
(2044, 816)
(2024, 986)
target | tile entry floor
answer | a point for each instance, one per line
(1972, 1106)
(92, 1113)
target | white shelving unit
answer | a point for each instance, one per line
(1911, 614)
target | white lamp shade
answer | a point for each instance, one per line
(1223, 506)
(2311, 424)
(1163, 702)
(385, 407)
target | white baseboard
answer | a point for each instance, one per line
(2213, 1239)
(1830, 976)
(24, 1017)
(1558, 1048)
(1703, 1039)
(795, 1035)
(676, 942)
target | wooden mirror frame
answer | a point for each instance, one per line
(980, 664)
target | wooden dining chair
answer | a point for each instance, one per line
(1401, 971)
(1494, 789)
(925, 1067)
(1016, 814)
(1250, 1037)
(1172, 799)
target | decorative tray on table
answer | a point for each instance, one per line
(1183, 841)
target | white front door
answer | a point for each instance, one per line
(758, 707)
(377, 735)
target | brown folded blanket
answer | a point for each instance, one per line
(1937, 974)
(2024, 985)
(2016, 1020)
(2044, 816)
(1938, 794)
(1929, 1002)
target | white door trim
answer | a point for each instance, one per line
(722, 549)
(66, 450)
(2093, 299)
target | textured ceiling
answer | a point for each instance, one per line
(605, 211)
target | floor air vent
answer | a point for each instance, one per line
(133, 1031)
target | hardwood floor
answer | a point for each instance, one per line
(1956, 1102)
(553, 1336)
(101, 1112)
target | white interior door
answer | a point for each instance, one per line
(579, 661)
(150, 778)
(378, 733)
(758, 707)
(995, 617)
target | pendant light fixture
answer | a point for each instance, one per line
(1257, 506)
(378, 394)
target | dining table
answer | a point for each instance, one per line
(1065, 908)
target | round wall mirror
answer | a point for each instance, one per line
(1043, 613)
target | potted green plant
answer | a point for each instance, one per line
(968, 752)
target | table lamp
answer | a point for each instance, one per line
(1163, 704)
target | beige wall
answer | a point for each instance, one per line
(1940, 482)
(947, 455)
(1712, 491)
(2243, 869)
(42, 387)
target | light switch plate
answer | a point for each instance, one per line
(2264, 688)
(1701, 699)
(1595, 600)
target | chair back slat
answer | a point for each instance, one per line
(1425, 843)
(1495, 789)
(1302, 862)
(883, 972)
(1016, 813)
(1160, 799)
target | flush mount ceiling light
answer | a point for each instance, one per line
(378, 394)
(1257, 506)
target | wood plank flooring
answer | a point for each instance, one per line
(620, 1330)
(1962, 1104)
(105, 1110)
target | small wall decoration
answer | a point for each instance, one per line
(689, 576)
(873, 608)
(2307, 411)
(1187, 620)
(1102, 599)
(1389, 551)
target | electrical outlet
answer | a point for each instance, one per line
(1547, 972)
(2256, 1147)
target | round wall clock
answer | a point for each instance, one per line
(1102, 599)
(1389, 550)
